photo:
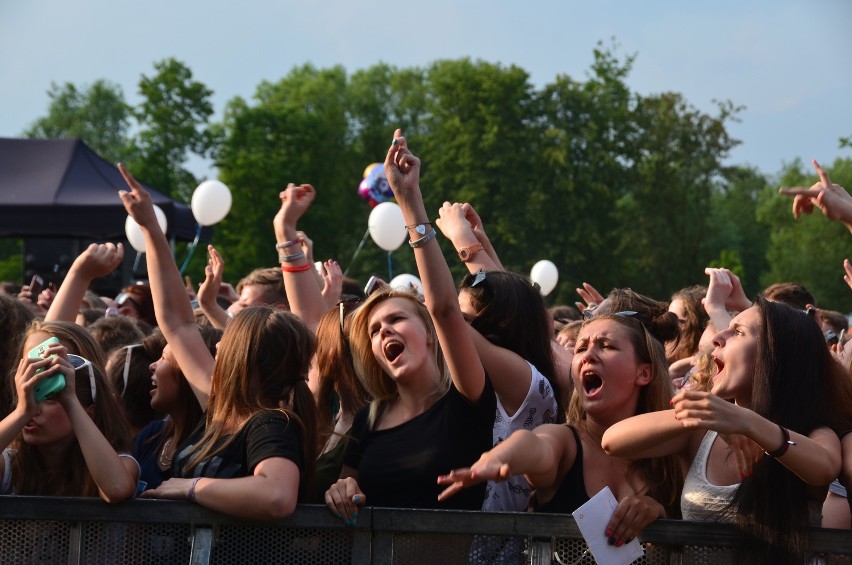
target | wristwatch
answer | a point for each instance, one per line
(467, 253)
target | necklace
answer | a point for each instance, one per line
(165, 459)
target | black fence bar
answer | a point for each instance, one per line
(84, 530)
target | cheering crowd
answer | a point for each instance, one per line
(303, 387)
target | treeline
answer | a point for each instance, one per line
(614, 187)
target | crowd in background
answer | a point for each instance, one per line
(302, 386)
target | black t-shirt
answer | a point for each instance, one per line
(265, 435)
(146, 450)
(399, 467)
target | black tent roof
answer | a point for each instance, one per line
(61, 188)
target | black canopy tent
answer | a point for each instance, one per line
(58, 195)
(61, 188)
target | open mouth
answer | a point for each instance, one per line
(393, 349)
(592, 383)
(719, 365)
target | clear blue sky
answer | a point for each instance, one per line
(789, 62)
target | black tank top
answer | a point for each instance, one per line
(572, 492)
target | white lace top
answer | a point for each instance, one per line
(539, 407)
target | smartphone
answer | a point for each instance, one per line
(51, 385)
(830, 337)
(36, 286)
(374, 284)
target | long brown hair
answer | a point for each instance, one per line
(262, 364)
(662, 475)
(336, 371)
(30, 476)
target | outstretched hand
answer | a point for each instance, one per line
(831, 199)
(137, 201)
(590, 296)
(486, 469)
(402, 167)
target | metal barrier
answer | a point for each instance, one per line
(77, 530)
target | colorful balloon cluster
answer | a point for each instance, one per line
(375, 188)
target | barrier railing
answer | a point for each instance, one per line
(76, 531)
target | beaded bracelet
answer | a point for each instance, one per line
(784, 446)
(297, 268)
(423, 240)
(288, 243)
(290, 258)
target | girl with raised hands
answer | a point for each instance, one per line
(432, 407)
(511, 327)
(777, 394)
(73, 443)
(619, 370)
(253, 454)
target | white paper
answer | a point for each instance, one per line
(592, 518)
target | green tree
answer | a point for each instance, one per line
(296, 132)
(586, 144)
(664, 217)
(173, 118)
(97, 114)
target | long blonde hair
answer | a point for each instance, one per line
(377, 383)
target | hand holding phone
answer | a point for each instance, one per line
(48, 386)
(36, 286)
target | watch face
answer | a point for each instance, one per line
(464, 254)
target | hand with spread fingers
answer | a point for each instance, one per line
(831, 199)
(591, 298)
(332, 278)
(488, 468)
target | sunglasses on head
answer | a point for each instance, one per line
(127, 357)
(78, 363)
(342, 306)
(124, 298)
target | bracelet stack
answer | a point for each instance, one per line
(421, 229)
(282, 255)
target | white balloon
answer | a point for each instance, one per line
(134, 232)
(387, 226)
(211, 202)
(545, 274)
(407, 282)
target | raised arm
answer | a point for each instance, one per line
(458, 223)
(403, 173)
(814, 458)
(303, 292)
(653, 434)
(209, 290)
(724, 293)
(173, 311)
(98, 260)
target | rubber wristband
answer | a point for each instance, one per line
(190, 496)
(784, 446)
(296, 269)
